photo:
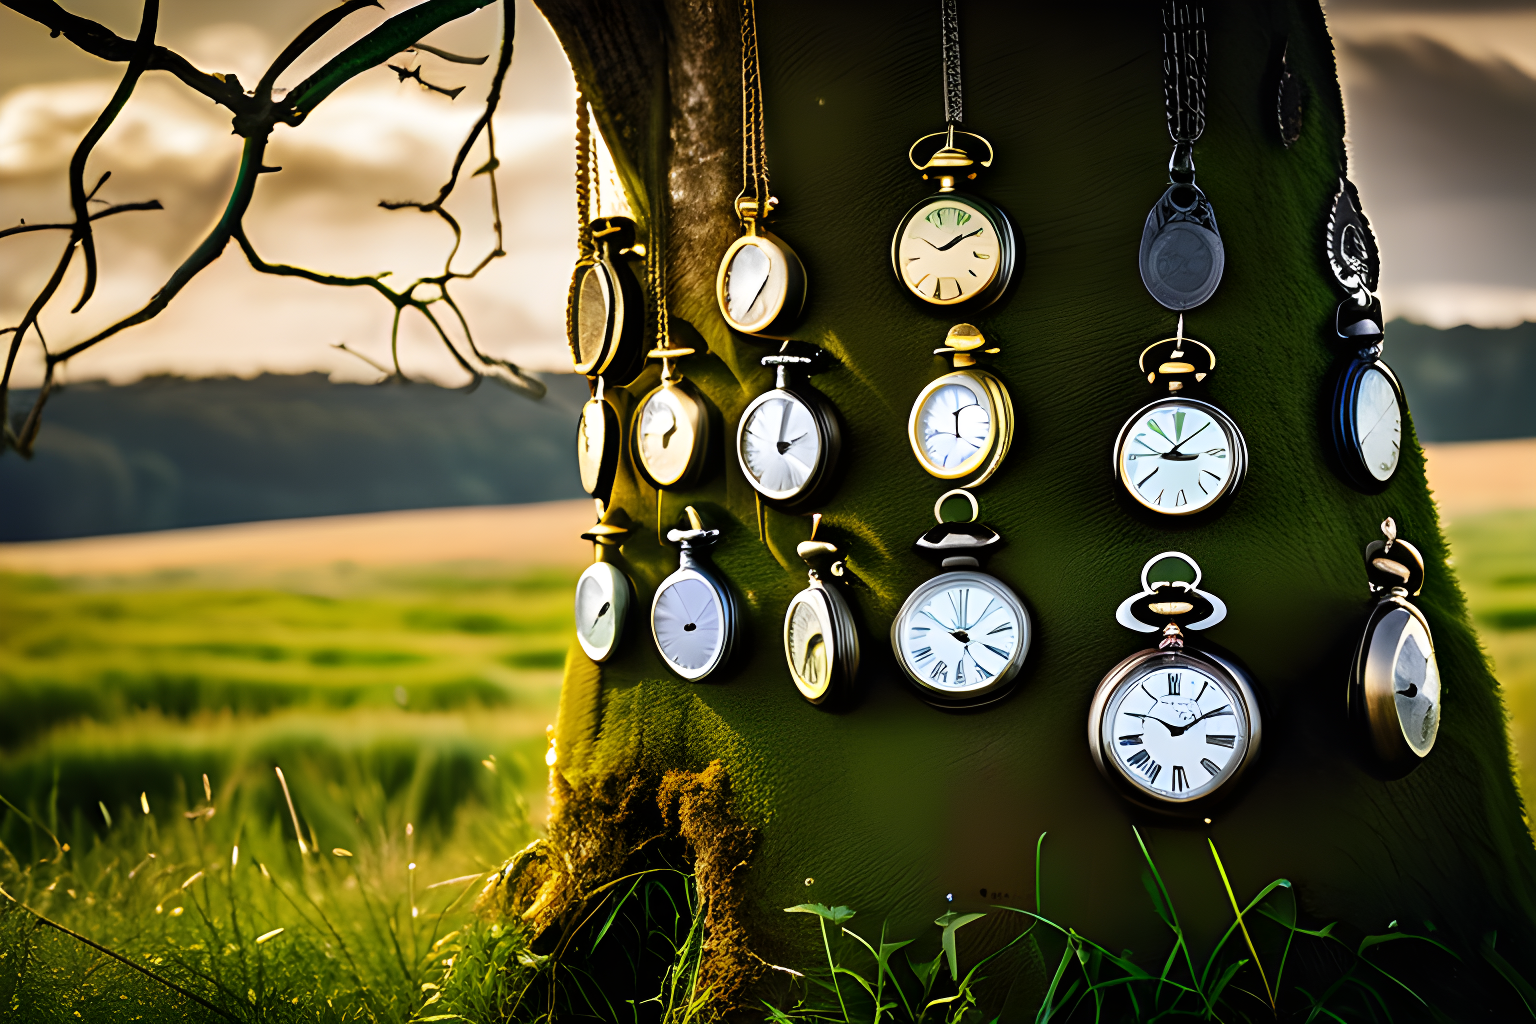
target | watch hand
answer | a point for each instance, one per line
(1412, 691)
(1182, 443)
(785, 446)
(602, 611)
(1179, 730)
(956, 240)
(1173, 730)
(961, 635)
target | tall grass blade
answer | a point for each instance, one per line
(1225, 881)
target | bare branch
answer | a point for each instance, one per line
(143, 47)
(100, 41)
(415, 73)
(304, 40)
(455, 57)
(21, 229)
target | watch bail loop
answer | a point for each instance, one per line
(959, 492)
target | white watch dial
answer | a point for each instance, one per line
(755, 285)
(602, 603)
(779, 445)
(688, 620)
(1176, 457)
(1176, 731)
(1416, 687)
(961, 633)
(954, 426)
(1379, 424)
(948, 251)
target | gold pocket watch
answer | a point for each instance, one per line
(961, 425)
(672, 427)
(606, 310)
(1174, 727)
(821, 640)
(694, 619)
(1394, 685)
(962, 636)
(1180, 455)
(789, 439)
(599, 440)
(953, 248)
(603, 592)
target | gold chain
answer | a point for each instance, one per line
(586, 171)
(754, 148)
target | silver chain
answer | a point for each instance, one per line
(1185, 57)
(950, 18)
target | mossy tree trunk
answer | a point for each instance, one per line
(891, 804)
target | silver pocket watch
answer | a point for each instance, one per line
(821, 639)
(694, 619)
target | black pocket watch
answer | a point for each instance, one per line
(789, 439)
(1394, 684)
(603, 592)
(1365, 413)
(953, 248)
(821, 639)
(694, 619)
(606, 311)
(962, 636)
(1180, 455)
(1174, 727)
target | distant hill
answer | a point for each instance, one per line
(1466, 383)
(167, 452)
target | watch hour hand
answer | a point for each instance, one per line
(1173, 730)
(602, 611)
(957, 240)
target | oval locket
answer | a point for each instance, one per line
(1182, 256)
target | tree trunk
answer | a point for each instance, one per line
(891, 806)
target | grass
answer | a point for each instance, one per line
(1495, 560)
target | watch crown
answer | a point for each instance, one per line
(1178, 360)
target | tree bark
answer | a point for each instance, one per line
(892, 805)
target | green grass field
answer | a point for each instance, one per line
(407, 710)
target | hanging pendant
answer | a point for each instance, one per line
(694, 619)
(1182, 257)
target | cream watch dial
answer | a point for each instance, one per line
(1177, 457)
(961, 633)
(666, 435)
(1379, 420)
(1176, 730)
(689, 622)
(779, 444)
(754, 286)
(602, 604)
(593, 316)
(808, 644)
(948, 251)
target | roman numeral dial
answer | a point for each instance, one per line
(961, 634)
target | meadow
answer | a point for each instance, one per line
(143, 720)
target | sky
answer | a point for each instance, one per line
(1440, 96)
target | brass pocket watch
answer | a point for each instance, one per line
(599, 440)
(606, 311)
(672, 426)
(761, 282)
(789, 439)
(962, 636)
(821, 640)
(962, 423)
(693, 615)
(1365, 421)
(1180, 455)
(953, 248)
(1394, 684)
(603, 592)
(1174, 727)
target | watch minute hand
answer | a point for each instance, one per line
(958, 239)
(1188, 439)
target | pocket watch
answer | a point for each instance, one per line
(598, 441)
(693, 615)
(1179, 455)
(1365, 420)
(761, 282)
(1174, 727)
(962, 423)
(1394, 685)
(603, 592)
(962, 636)
(821, 641)
(606, 313)
(671, 427)
(789, 439)
(953, 248)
